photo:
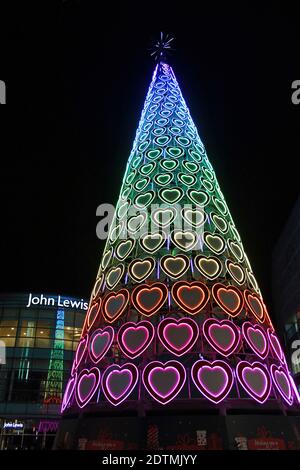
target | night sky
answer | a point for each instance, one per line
(76, 82)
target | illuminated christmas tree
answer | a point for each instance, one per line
(176, 315)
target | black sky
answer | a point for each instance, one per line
(76, 82)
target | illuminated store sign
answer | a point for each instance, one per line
(56, 301)
(16, 425)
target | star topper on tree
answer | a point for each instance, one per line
(161, 48)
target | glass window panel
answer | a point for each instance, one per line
(44, 333)
(8, 341)
(68, 345)
(8, 331)
(10, 313)
(43, 343)
(69, 317)
(45, 323)
(47, 314)
(6, 322)
(79, 319)
(25, 342)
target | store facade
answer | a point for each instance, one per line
(38, 336)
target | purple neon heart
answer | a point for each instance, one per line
(222, 335)
(255, 380)
(178, 336)
(134, 338)
(213, 379)
(87, 384)
(68, 393)
(256, 338)
(164, 381)
(118, 382)
(282, 383)
(100, 343)
(275, 345)
(81, 348)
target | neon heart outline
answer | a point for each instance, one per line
(235, 244)
(218, 202)
(210, 323)
(247, 294)
(273, 369)
(162, 237)
(200, 211)
(152, 164)
(163, 163)
(219, 364)
(167, 322)
(206, 235)
(169, 175)
(217, 287)
(182, 176)
(115, 232)
(100, 331)
(166, 223)
(97, 286)
(191, 245)
(157, 365)
(148, 287)
(240, 369)
(179, 191)
(151, 261)
(164, 260)
(198, 260)
(139, 196)
(86, 372)
(178, 286)
(197, 192)
(213, 216)
(230, 263)
(108, 254)
(246, 326)
(116, 368)
(146, 181)
(131, 325)
(186, 166)
(272, 337)
(121, 268)
(123, 242)
(68, 395)
(77, 360)
(125, 294)
(142, 215)
(94, 306)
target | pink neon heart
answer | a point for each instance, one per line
(119, 381)
(222, 335)
(100, 342)
(164, 381)
(81, 348)
(68, 393)
(178, 336)
(134, 338)
(282, 383)
(213, 379)
(87, 384)
(255, 380)
(256, 338)
(276, 345)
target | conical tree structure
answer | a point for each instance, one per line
(176, 316)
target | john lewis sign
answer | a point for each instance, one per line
(56, 301)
